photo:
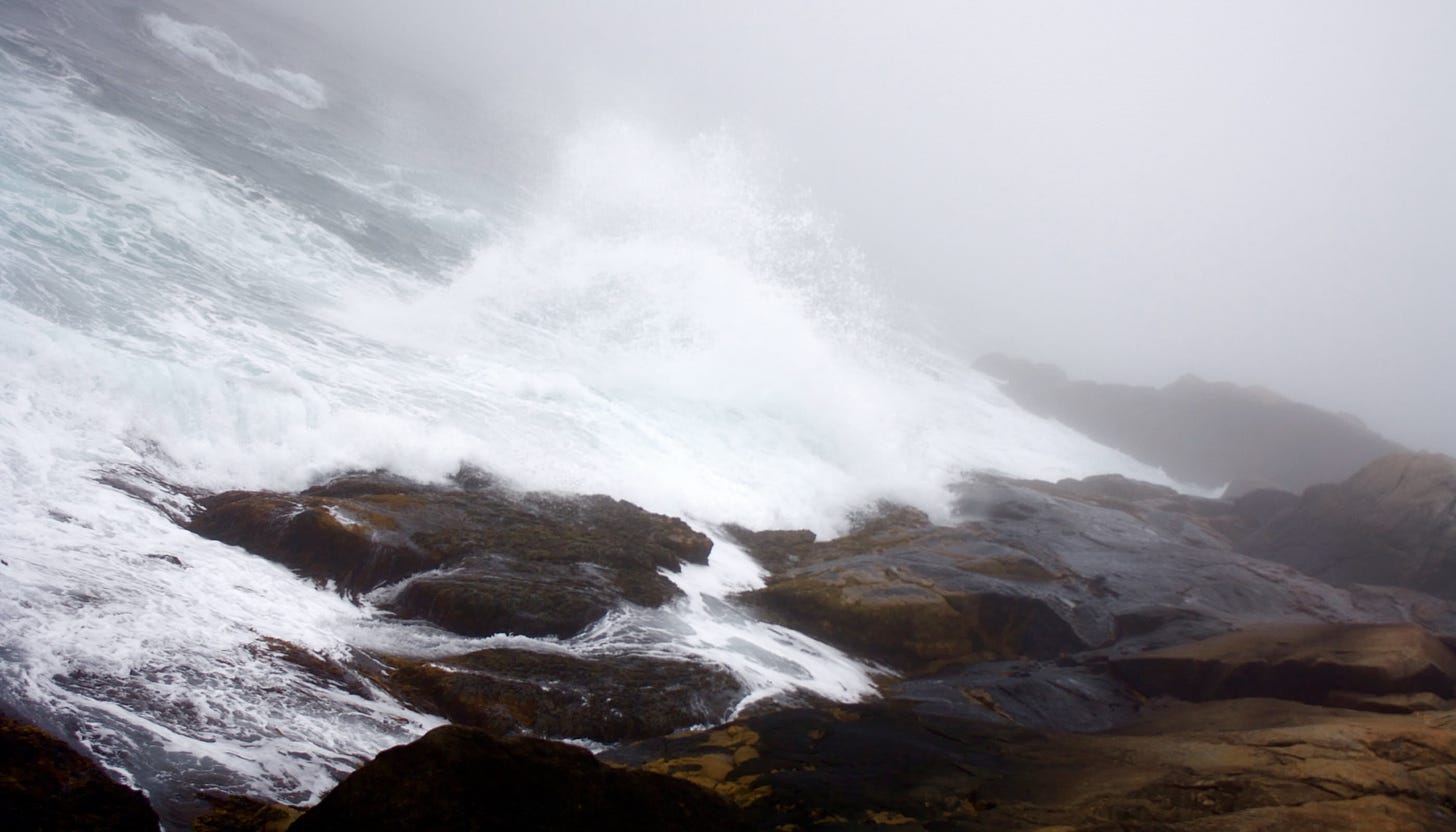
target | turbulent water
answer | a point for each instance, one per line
(214, 272)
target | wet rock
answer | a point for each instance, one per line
(776, 551)
(463, 778)
(607, 699)
(1208, 433)
(46, 786)
(912, 611)
(1037, 570)
(1065, 695)
(479, 559)
(843, 768)
(1392, 523)
(1303, 662)
(236, 813)
(1239, 765)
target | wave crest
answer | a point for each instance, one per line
(214, 49)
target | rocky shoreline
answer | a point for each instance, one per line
(1093, 654)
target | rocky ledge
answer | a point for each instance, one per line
(481, 559)
(1392, 523)
(1097, 654)
(475, 557)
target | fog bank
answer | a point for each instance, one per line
(1254, 192)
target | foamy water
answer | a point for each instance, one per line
(661, 322)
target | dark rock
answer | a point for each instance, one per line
(843, 768)
(1040, 569)
(47, 787)
(1260, 506)
(1040, 695)
(1236, 766)
(1201, 432)
(483, 559)
(1303, 662)
(913, 612)
(236, 813)
(607, 699)
(1392, 523)
(486, 594)
(775, 551)
(464, 779)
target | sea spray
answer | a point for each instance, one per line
(658, 320)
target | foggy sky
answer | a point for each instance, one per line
(1257, 192)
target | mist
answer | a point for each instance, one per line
(1261, 193)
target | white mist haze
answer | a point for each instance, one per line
(1255, 192)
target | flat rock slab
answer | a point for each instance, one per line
(1302, 662)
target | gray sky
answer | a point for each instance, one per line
(1259, 192)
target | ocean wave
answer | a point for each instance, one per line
(214, 49)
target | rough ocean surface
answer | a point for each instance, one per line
(218, 271)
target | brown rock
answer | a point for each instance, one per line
(236, 813)
(47, 787)
(464, 779)
(1392, 523)
(483, 560)
(1233, 766)
(607, 699)
(1302, 662)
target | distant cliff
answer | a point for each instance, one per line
(1200, 432)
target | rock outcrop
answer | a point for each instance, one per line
(45, 786)
(478, 559)
(1092, 654)
(463, 778)
(1380, 754)
(1038, 570)
(1245, 764)
(1392, 523)
(1303, 662)
(1208, 433)
(608, 699)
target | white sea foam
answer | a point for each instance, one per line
(660, 326)
(217, 51)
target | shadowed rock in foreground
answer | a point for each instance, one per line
(46, 786)
(1208, 433)
(1234, 765)
(464, 779)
